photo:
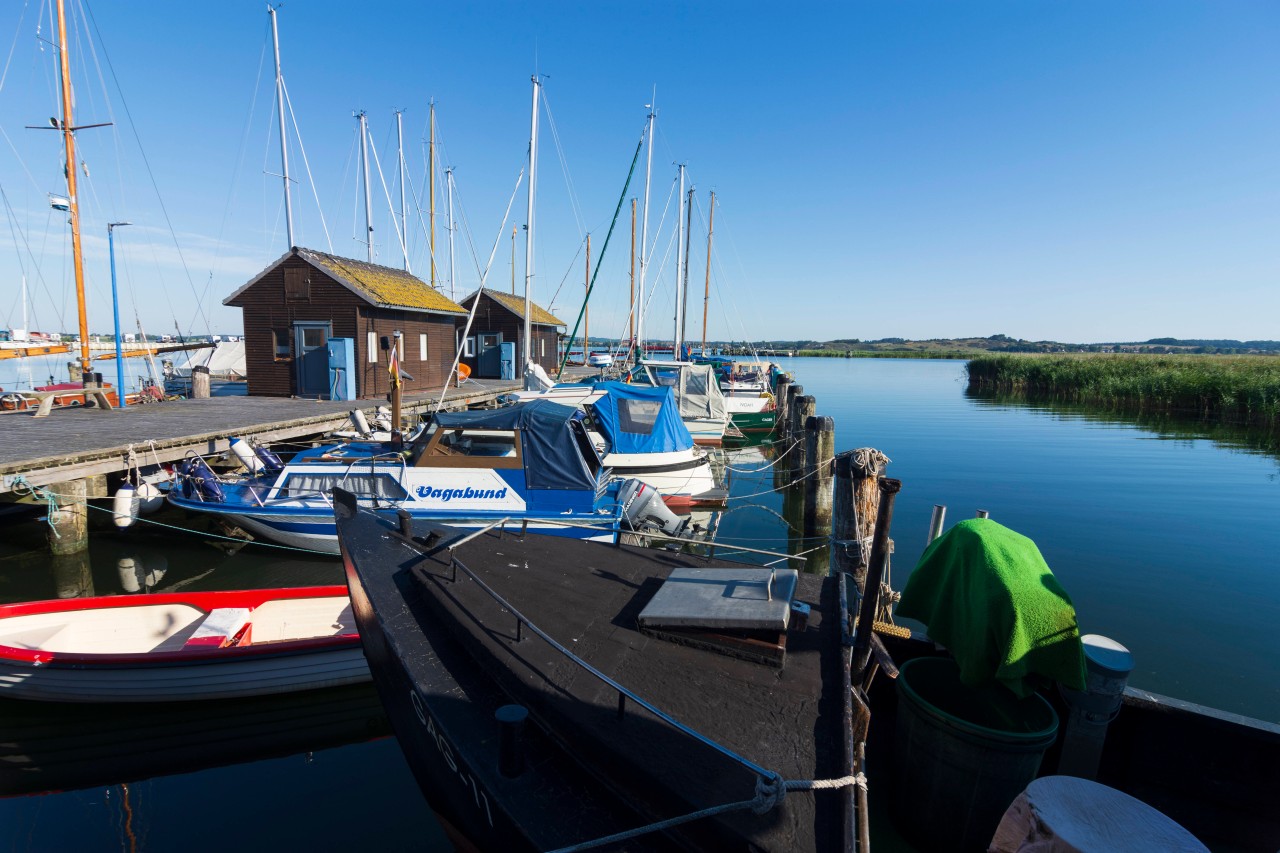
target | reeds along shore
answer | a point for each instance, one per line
(1244, 388)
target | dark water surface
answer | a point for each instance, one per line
(1165, 541)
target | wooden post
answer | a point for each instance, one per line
(844, 533)
(69, 521)
(887, 489)
(72, 575)
(794, 392)
(199, 382)
(855, 521)
(803, 408)
(780, 407)
(820, 439)
(397, 351)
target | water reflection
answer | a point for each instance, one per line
(1176, 426)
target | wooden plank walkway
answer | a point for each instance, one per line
(75, 443)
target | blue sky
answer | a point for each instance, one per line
(1082, 171)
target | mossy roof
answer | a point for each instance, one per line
(515, 304)
(378, 285)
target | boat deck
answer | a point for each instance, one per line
(76, 443)
(588, 596)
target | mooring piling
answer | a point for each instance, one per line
(820, 439)
(936, 521)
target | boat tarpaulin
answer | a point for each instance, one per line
(696, 386)
(640, 419)
(987, 594)
(552, 457)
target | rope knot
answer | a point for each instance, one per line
(769, 793)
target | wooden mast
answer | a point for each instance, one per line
(586, 308)
(73, 208)
(706, 295)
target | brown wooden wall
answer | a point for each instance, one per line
(266, 309)
(494, 317)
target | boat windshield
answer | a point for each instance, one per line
(309, 485)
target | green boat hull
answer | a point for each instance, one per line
(754, 423)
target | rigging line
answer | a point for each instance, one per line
(13, 225)
(572, 265)
(462, 339)
(466, 225)
(564, 167)
(617, 211)
(297, 134)
(14, 46)
(150, 173)
(386, 192)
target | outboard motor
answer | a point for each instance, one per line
(199, 481)
(643, 509)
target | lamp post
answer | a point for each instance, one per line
(115, 306)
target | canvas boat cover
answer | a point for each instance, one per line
(695, 385)
(552, 458)
(640, 419)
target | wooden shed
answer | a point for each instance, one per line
(500, 320)
(295, 306)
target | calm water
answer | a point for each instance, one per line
(1166, 545)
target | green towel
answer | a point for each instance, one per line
(986, 593)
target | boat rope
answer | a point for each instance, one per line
(23, 488)
(769, 795)
(816, 468)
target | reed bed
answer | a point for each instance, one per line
(1246, 388)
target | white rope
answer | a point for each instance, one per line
(799, 479)
(766, 466)
(769, 795)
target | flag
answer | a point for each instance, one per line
(393, 365)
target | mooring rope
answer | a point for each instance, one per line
(766, 466)
(769, 795)
(802, 477)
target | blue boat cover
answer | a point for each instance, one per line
(640, 419)
(552, 457)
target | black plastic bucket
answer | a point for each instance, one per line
(962, 754)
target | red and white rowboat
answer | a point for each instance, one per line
(173, 647)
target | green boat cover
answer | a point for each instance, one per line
(986, 593)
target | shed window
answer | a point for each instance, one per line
(470, 351)
(542, 348)
(280, 340)
(422, 346)
(372, 346)
(297, 287)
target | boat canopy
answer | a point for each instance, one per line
(640, 419)
(552, 455)
(695, 385)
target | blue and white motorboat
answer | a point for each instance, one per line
(532, 464)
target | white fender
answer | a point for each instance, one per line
(359, 421)
(125, 505)
(245, 454)
(130, 570)
(150, 498)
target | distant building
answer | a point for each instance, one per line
(499, 321)
(305, 298)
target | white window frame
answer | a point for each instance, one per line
(470, 350)
(422, 346)
(372, 345)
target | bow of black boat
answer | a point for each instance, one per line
(627, 723)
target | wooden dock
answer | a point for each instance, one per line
(80, 443)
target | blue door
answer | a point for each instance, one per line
(489, 358)
(311, 359)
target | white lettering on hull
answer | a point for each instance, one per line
(446, 751)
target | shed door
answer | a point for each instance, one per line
(489, 358)
(312, 361)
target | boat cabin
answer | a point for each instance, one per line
(695, 386)
(493, 347)
(320, 326)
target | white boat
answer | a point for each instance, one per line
(174, 647)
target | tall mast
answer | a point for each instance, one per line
(431, 171)
(404, 211)
(284, 141)
(680, 267)
(638, 308)
(73, 208)
(633, 272)
(684, 290)
(514, 229)
(368, 202)
(706, 296)
(586, 308)
(448, 173)
(528, 229)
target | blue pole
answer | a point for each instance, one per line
(115, 305)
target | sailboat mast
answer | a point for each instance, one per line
(633, 272)
(528, 229)
(448, 173)
(637, 308)
(284, 141)
(431, 170)
(73, 208)
(514, 229)
(684, 290)
(586, 308)
(404, 211)
(368, 201)
(706, 295)
(680, 267)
